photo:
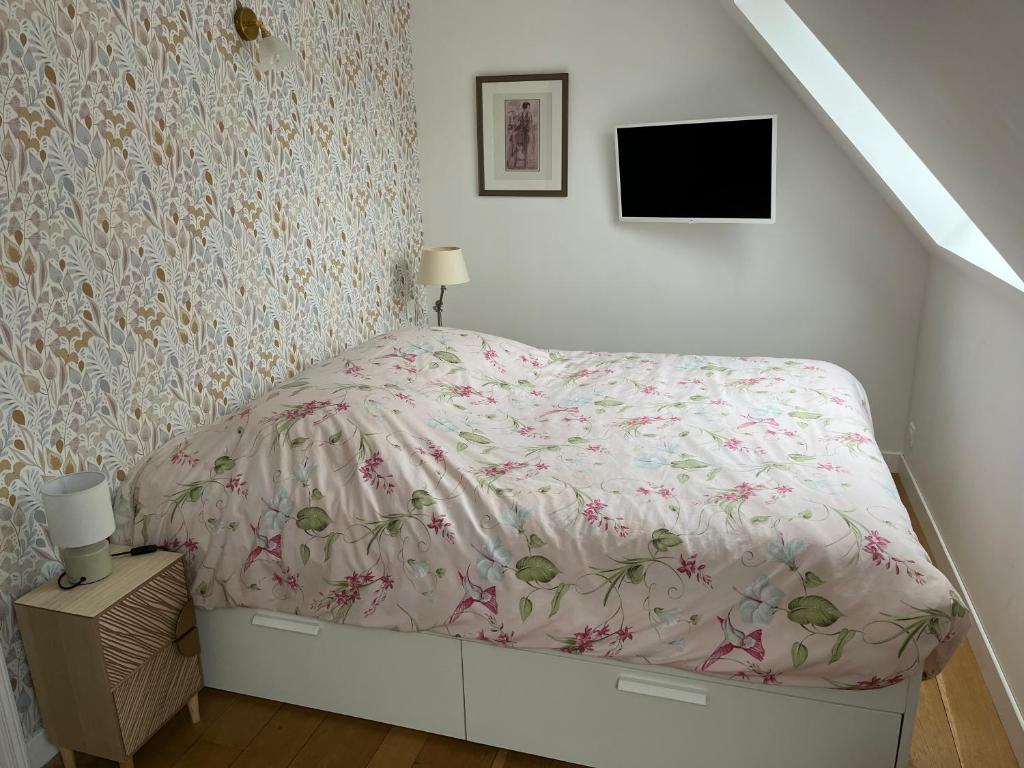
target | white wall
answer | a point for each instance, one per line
(947, 75)
(838, 277)
(968, 451)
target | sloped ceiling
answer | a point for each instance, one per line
(947, 75)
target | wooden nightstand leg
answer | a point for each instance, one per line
(68, 756)
(193, 708)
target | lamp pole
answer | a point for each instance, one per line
(438, 305)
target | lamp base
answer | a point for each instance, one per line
(91, 562)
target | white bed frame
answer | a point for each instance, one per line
(587, 710)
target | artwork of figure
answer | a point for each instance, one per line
(521, 134)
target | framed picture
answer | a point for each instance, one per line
(522, 134)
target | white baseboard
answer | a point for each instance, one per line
(1002, 695)
(40, 750)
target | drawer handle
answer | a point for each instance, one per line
(662, 690)
(286, 623)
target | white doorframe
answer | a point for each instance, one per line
(12, 742)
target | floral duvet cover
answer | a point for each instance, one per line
(731, 516)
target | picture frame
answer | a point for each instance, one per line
(522, 135)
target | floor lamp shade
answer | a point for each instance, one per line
(80, 517)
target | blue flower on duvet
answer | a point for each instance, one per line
(422, 575)
(279, 510)
(418, 569)
(611, 487)
(304, 472)
(494, 561)
(760, 602)
(783, 551)
(761, 412)
(442, 425)
(662, 456)
(578, 402)
(668, 617)
(516, 517)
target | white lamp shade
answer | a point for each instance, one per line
(78, 509)
(273, 53)
(443, 265)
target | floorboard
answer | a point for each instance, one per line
(519, 760)
(207, 754)
(173, 740)
(245, 717)
(399, 748)
(977, 731)
(933, 745)
(281, 739)
(341, 742)
(957, 727)
(445, 752)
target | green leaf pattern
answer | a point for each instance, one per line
(729, 516)
(171, 250)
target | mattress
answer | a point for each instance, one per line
(732, 516)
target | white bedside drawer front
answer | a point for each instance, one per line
(579, 710)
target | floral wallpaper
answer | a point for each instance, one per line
(179, 232)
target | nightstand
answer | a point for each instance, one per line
(112, 661)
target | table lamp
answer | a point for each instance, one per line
(80, 517)
(442, 266)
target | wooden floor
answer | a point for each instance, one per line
(957, 724)
(957, 727)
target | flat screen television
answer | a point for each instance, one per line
(720, 170)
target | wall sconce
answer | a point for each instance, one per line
(444, 266)
(272, 53)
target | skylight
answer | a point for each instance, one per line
(882, 147)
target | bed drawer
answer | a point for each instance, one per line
(608, 714)
(404, 678)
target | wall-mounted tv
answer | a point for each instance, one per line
(720, 170)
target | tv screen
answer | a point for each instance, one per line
(700, 170)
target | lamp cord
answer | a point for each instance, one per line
(60, 582)
(143, 550)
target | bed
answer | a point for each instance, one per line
(690, 523)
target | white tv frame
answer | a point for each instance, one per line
(673, 220)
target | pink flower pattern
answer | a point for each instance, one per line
(877, 545)
(689, 567)
(370, 472)
(702, 512)
(593, 513)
